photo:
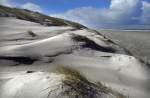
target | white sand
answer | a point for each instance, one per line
(119, 71)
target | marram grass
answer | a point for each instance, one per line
(80, 87)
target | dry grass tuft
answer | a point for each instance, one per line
(80, 87)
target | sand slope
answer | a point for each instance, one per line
(95, 56)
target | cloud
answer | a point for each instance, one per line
(119, 13)
(146, 13)
(32, 7)
(28, 5)
(6, 3)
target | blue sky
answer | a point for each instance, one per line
(92, 13)
(57, 6)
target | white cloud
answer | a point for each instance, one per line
(130, 8)
(6, 3)
(32, 7)
(120, 12)
(146, 13)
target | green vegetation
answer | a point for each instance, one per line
(88, 43)
(71, 73)
(36, 17)
(31, 33)
(80, 87)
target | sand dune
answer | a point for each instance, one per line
(95, 56)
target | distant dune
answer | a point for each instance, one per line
(137, 41)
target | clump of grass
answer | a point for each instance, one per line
(31, 33)
(80, 87)
(70, 72)
(88, 43)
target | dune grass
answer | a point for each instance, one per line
(89, 43)
(31, 33)
(71, 73)
(37, 17)
(80, 87)
(110, 90)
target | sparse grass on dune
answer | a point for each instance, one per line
(31, 33)
(71, 73)
(80, 87)
(109, 90)
(37, 17)
(88, 43)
